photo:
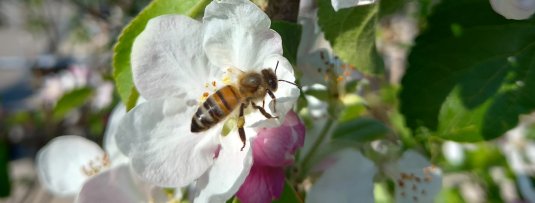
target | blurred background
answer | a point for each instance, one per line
(53, 52)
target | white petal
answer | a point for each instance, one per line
(340, 4)
(453, 152)
(60, 163)
(348, 180)
(117, 185)
(514, 9)
(237, 35)
(415, 178)
(110, 145)
(168, 60)
(228, 172)
(156, 136)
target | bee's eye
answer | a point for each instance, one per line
(270, 78)
(273, 84)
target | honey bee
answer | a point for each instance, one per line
(250, 88)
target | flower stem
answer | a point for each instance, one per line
(198, 9)
(323, 134)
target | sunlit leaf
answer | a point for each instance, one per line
(121, 59)
(360, 130)
(490, 59)
(70, 101)
(351, 32)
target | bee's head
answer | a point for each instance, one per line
(271, 79)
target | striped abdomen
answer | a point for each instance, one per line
(216, 107)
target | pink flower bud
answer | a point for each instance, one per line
(263, 184)
(276, 146)
(273, 149)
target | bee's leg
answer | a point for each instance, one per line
(263, 111)
(241, 123)
(270, 93)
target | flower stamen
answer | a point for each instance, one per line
(96, 166)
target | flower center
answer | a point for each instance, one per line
(96, 165)
(411, 186)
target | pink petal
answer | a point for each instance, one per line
(298, 127)
(263, 184)
(276, 146)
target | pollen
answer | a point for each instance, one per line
(204, 96)
(96, 166)
(227, 80)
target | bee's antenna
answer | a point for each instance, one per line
(276, 66)
(290, 83)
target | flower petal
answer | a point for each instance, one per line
(263, 184)
(276, 146)
(229, 170)
(237, 35)
(340, 4)
(117, 185)
(348, 180)
(453, 152)
(514, 9)
(110, 145)
(168, 60)
(60, 163)
(415, 178)
(156, 136)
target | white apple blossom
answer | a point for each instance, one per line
(176, 63)
(348, 180)
(66, 162)
(340, 4)
(514, 9)
(351, 179)
(74, 166)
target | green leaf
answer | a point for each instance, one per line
(450, 195)
(352, 112)
(289, 195)
(351, 33)
(320, 94)
(489, 58)
(291, 36)
(458, 123)
(70, 101)
(388, 7)
(122, 72)
(504, 112)
(360, 130)
(5, 185)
